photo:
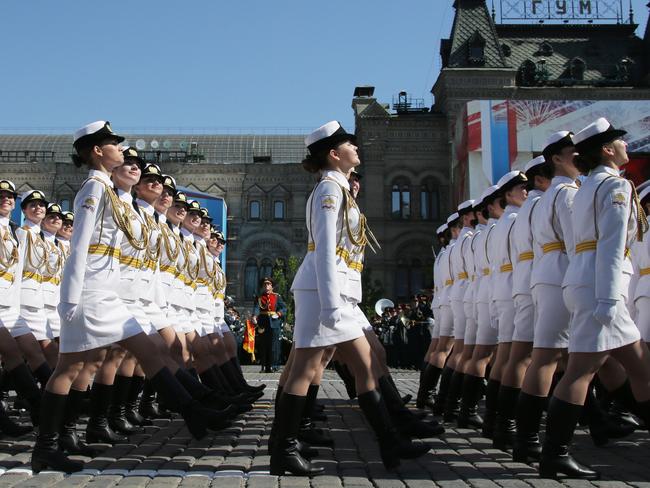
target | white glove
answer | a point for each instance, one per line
(329, 316)
(605, 312)
(67, 310)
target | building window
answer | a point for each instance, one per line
(410, 278)
(65, 205)
(429, 203)
(545, 49)
(266, 269)
(278, 210)
(476, 53)
(251, 279)
(401, 202)
(527, 73)
(254, 210)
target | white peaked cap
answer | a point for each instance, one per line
(487, 193)
(556, 137)
(508, 177)
(324, 131)
(91, 128)
(534, 162)
(441, 229)
(601, 127)
(465, 205)
(452, 217)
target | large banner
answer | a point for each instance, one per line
(494, 136)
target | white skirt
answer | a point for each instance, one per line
(446, 328)
(100, 319)
(225, 328)
(156, 314)
(136, 308)
(53, 328)
(552, 318)
(9, 320)
(471, 326)
(506, 312)
(458, 311)
(486, 335)
(586, 334)
(309, 332)
(524, 319)
(35, 319)
(642, 305)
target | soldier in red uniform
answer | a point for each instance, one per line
(268, 315)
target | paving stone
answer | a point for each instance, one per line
(10, 480)
(165, 482)
(228, 482)
(42, 479)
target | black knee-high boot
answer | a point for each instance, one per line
(98, 429)
(239, 375)
(308, 432)
(205, 396)
(131, 406)
(235, 384)
(601, 427)
(194, 409)
(561, 422)
(405, 421)
(491, 402)
(42, 374)
(11, 428)
(68, 439)
(471, 393)
(148, 407)
(453, 397)
(441, 397)
(117, 411)
(285, 455)
(26, 386)
(428, 383)
(505, 427)
(391, 447)
(46, 452)
(623, 403)
(528, 416)
(304, 448)
(347, 377)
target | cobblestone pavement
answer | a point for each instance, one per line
(166, 456)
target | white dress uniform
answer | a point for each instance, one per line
(438, 284)
(152, 295)
(190, 275)
(640, 254)
(34, 254)
(501, 249)
(474, 279)
(52, 284)
(604, 218)
(330, 275)
(132, 265)
(553, 245)
(522, 246)
(11, 267)
(204, 299)
(219, 287)
(486, 332)
(446, 328)
(91, 276)
(461, 279)
(171, 260)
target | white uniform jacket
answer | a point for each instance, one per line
(446, 275)
(553, 233)
(53, 271)
(459, 271)
(438, 280)
(641, 262)
(11, 267)
(150, 277)
(333, 263)
(604, 226)
(502, 254)
(172, 263)
(190, 271)
(482, 262)
(203, 295)
(132, 261)
(219, 290)
(470, 263)
(33, 254)
(522, 244)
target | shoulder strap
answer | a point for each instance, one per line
(487, 257)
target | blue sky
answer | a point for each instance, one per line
(213, 63)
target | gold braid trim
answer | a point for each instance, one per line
(8, 260)
(167, 237)
(641, 220)
(37, 244)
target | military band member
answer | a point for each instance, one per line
(606, 218)
(539, 175)
(327, 289)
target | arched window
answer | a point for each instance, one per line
(429, 202)
(527, 73)
(577, 69)
(251, 279)
(266, 270)
(65, 204)
(254, 210)
(476, 49)
(401, 202)
(278, 210)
